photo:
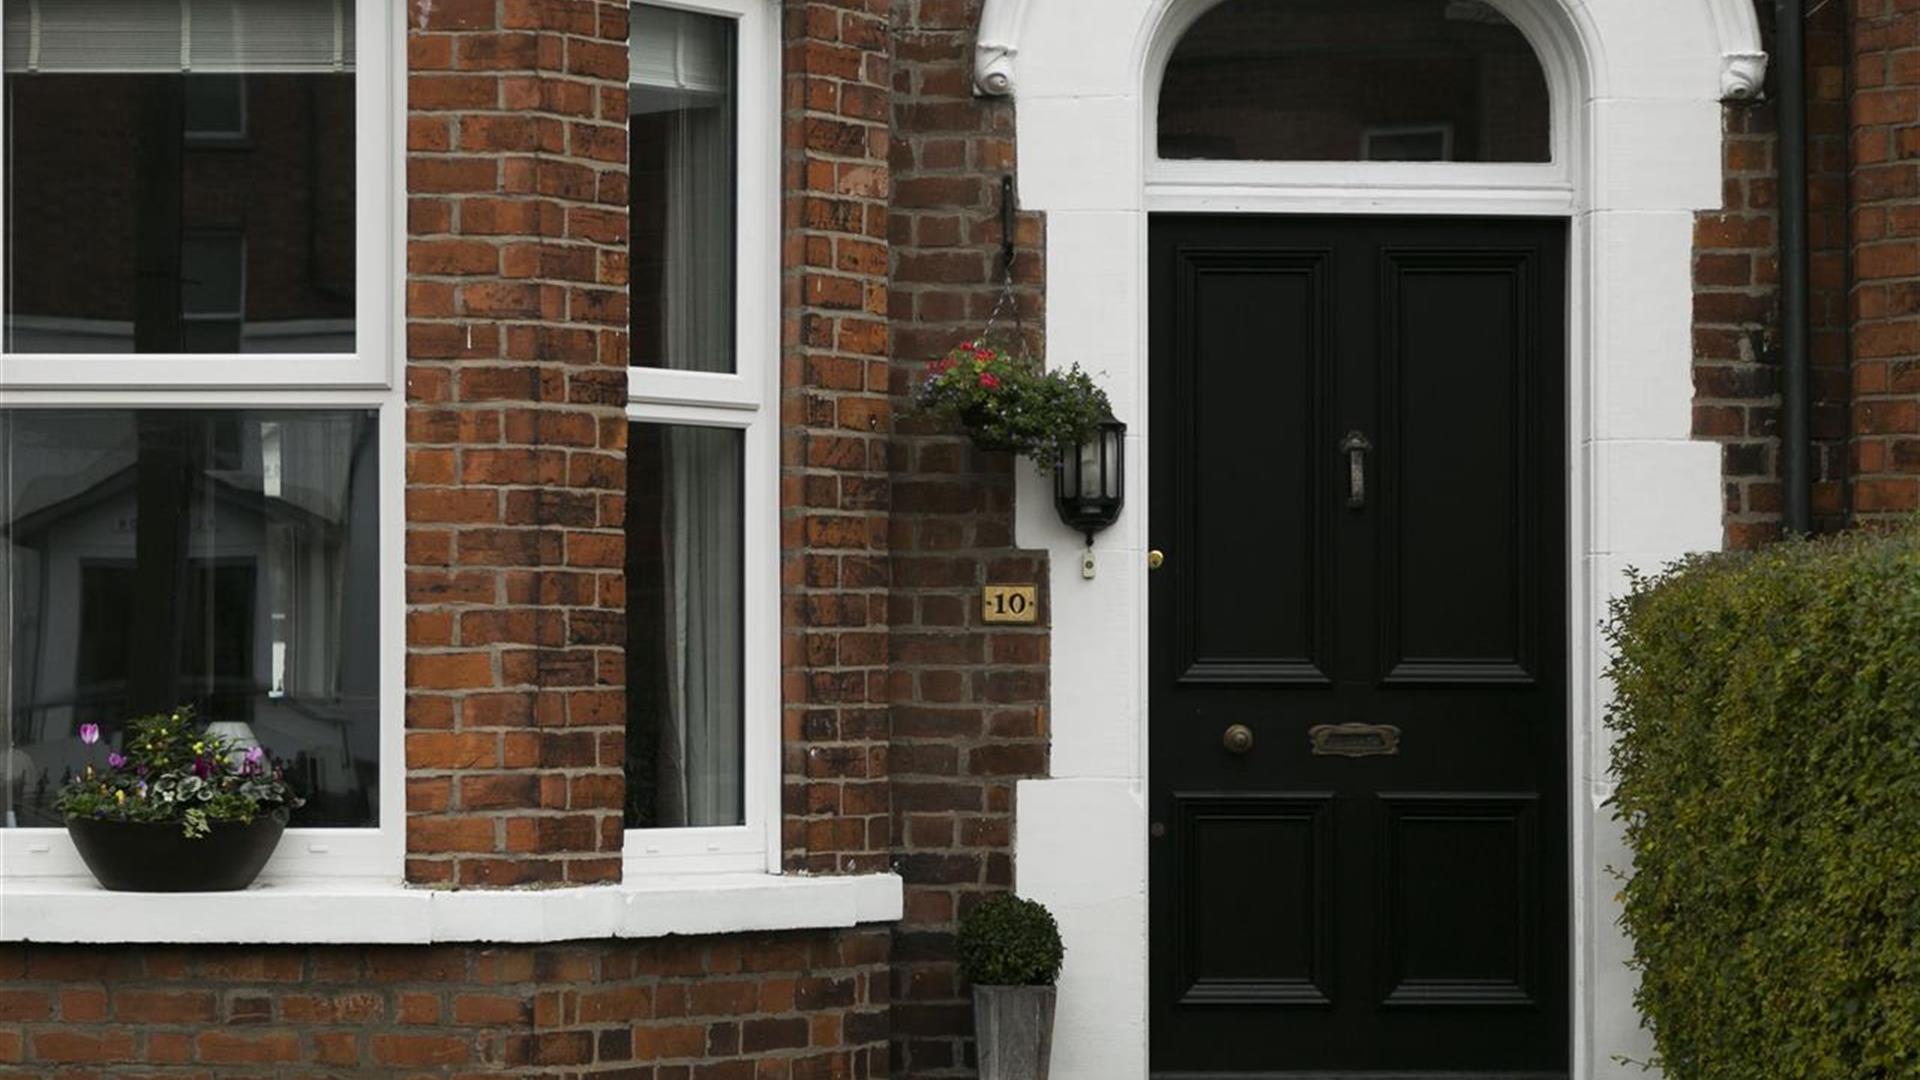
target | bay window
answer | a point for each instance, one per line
(200, 430)
(703, 466)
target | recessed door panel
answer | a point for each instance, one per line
(1357, 760)
(1463, 886)
(1459, 398)
(1253, 907)
(1259, 350)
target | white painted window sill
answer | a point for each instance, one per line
(322, 912)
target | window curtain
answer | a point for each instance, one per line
(700, 763)
(308, 467)
(178, 36)
(682, 78)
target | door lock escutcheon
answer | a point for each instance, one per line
(1156, 559)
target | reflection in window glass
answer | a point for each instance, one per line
(128, 144)
(1354, 80)
(683, 189)
(216, 109)
(226, 560)
(685, 634)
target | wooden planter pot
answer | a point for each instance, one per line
(1013, 1031)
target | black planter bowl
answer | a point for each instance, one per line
(155, 857)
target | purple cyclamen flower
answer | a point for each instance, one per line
(117, 760)
(202, 768)
(89, 733)
(255, 755)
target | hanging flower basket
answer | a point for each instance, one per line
(181, 810)
(1010, 404)
(986, 430)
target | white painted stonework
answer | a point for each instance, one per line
(1637, 88)
(365, 911)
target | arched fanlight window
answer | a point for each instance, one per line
(1354, 80)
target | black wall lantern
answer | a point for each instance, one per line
(1090, 482)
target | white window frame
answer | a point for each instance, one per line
(379, 99)
(363, 379)
(746, 400)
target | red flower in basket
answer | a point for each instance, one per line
(989, 380)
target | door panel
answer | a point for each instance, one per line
(1471, 942)
(1254, 930)
(1457, 485)
(1358, 472)
(1266, 315)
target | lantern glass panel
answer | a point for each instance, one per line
(1110, 462)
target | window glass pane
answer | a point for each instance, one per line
(1354, 80)
(686, 549)
(216, 108)
(684, 183)
(129, 142)
(226, 560)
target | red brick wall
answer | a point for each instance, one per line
(761, 1007)
(1885, 219)
(1737, 348)
(516, 388)
(835, 422)
(969, 716)
(516, 353)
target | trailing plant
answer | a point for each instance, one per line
(1767, 708)
(1010, 941)
(1012, 404)
(172, 770)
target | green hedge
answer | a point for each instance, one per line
(1768, 768)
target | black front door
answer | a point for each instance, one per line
(1359, 766)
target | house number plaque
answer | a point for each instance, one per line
(1010, 604)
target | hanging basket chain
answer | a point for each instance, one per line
(1008, 302)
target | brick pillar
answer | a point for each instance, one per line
(516, 387)
(1736, 309)
(1885, 180)
(835, 421)
(970, 716)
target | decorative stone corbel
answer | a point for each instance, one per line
(993, 68)
(1743, 77)
(996, 46)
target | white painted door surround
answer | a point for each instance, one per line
(1637, 87)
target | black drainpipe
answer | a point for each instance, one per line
(1790, 48)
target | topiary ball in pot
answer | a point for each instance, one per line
(1010, 951)
(1007, 940)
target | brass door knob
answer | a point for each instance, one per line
(1155, 559)
(1238, 739)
